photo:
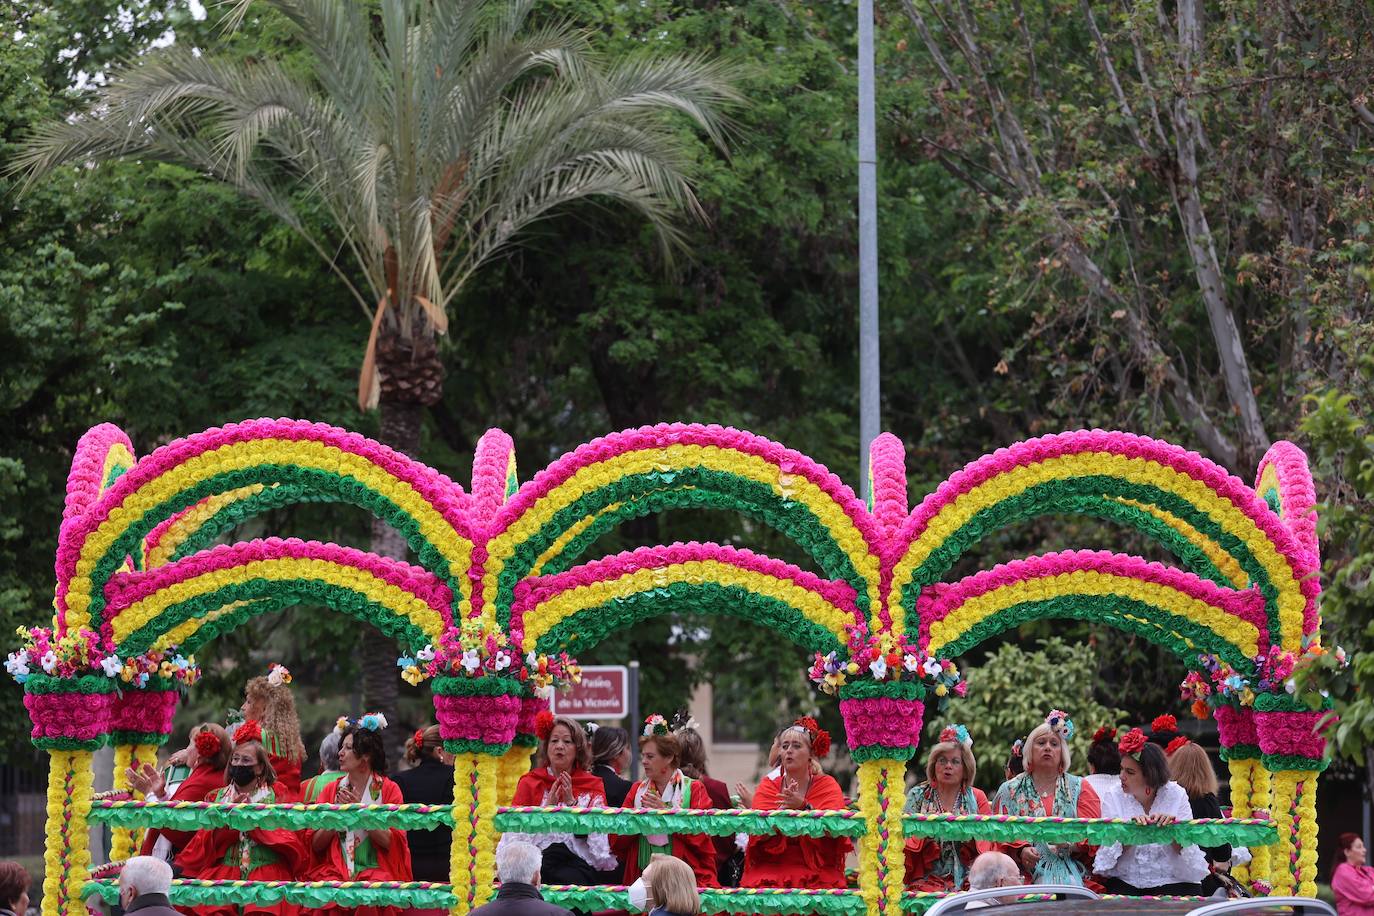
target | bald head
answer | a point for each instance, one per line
(993, 869)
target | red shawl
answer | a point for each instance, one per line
(393, 863)
(696, 849)
(801, 861)
(535, 784)
(204, 856)
(200, 783)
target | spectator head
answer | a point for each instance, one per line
(611, 747)
(213, 749)
(948, 756)
(673, 885)
(660, 755)
(1191, 768)
(143, 875)
(1349, 851)
(14, 887)
(329, 749)
(424, 743)
(517, 862)
(692, 752)
(362, 746)
(993, 869)
(1103, 757)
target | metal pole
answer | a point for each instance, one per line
(869, 388)
(634, 720)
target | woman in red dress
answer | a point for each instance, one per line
(665, 786)
(226, 854)
(268, 701)
(208, 756)
(943, 865)
(798, 861)
(361, 854)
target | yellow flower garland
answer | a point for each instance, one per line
(1241, 807)
(1307, 835)
(66, 850)
(514, 764)
(1260, 801)
(1282, 879)
(881, 780)
(472, 861)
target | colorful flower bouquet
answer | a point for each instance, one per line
(885, 658)
(475, 652)
(83, 652)
(1306, 676)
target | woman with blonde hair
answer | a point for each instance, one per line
(1191, 768)
(207, 755)
(1047, 789)
(943, 865)
(268, 702)
(667, 888)
(429, 781)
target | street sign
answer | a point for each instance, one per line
(603, 694)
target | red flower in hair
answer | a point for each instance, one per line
(208, 743)
(1105, 733)
(250, 730)
(1163, 724)
(419, 737)
(1131, 742)
(1176, 744)
(820, 738)
(543, 724)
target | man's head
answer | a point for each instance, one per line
(993, 869)
(143, 875)
(518, 863)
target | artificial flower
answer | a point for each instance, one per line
(878, 668)
(1131, 743)
(112, 665)
(412, 675)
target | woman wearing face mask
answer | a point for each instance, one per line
(943, 865)
(208, 757)
(361, 854)
(1047, 789)
(665, 786)
(268, 701)
(1352, 881)
(226, 854)
(667, 888)
(1146, 795)
(797, 861)
(562, 777)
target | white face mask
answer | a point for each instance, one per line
(639, 896)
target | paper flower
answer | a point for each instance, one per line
(878, 668)
(18, 666)
(1059, 721)
(248, 730)
(112, 665)
(1164, 724)
(1176, 744)
(543, 725)
(278, 675)
(655, 725)
(472, 661)
(957, 734)
(372, 721)
(1131, 743)
(48, 661)
(412, 675)
(1104, 733)
(208, 743)
(425, 655)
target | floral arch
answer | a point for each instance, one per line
(137, 577)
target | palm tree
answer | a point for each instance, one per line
(431, 135)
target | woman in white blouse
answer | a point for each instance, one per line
(1146, 795)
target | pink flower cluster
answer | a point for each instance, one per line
(1297, 492)
(882, 721)
(490, 462)
(489, 719)
(146, 712)
(887, 473)
(74, 716)
(85, 480)
(1297, 734)
(1235, 725)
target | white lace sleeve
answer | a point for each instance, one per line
(1192, 862)
(1106, 858)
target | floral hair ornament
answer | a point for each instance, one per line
(956, 734)
(278, 675)
(655, 725)
(419, 738)
(372, 721)
(1175, 745)
(341, 725)
(819, 737)
(1131, 743)
(1164, 724)
(543, 725)
(1018, 747)
(1105, 733)
(208, 743)
(682, 719)
(250, 730)
(1058, 721)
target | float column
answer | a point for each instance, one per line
(1292, 749)
(1249, 783)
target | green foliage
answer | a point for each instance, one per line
(1015, 688)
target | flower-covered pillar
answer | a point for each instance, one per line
(516, 761)
(1250, 788)
(140, 723)
(477, 720)
(71, 718)
(882, 724)
(1292, 750)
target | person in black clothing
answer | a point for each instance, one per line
(517, 865)
(610, 758)
(1191, 768)
(429, 781)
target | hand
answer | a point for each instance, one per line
(1162, 820)
(744, 795)
(345, 795)
(792, 794)
(179, 758)
(146, 780)
(653, 800)
(1030, 857)
(562, 789)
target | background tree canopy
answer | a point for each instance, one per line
(1057, 250)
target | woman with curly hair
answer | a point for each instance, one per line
(797, 861)
(268, 702)
(943, 865)
(1047, 789)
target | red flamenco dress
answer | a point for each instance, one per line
(288, 771)
(796, 861)
(696, 849)
(197, 786)
(567, 858)
(352, 856)
(942, 865)
(225, 854)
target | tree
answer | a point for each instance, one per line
(430, 140)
